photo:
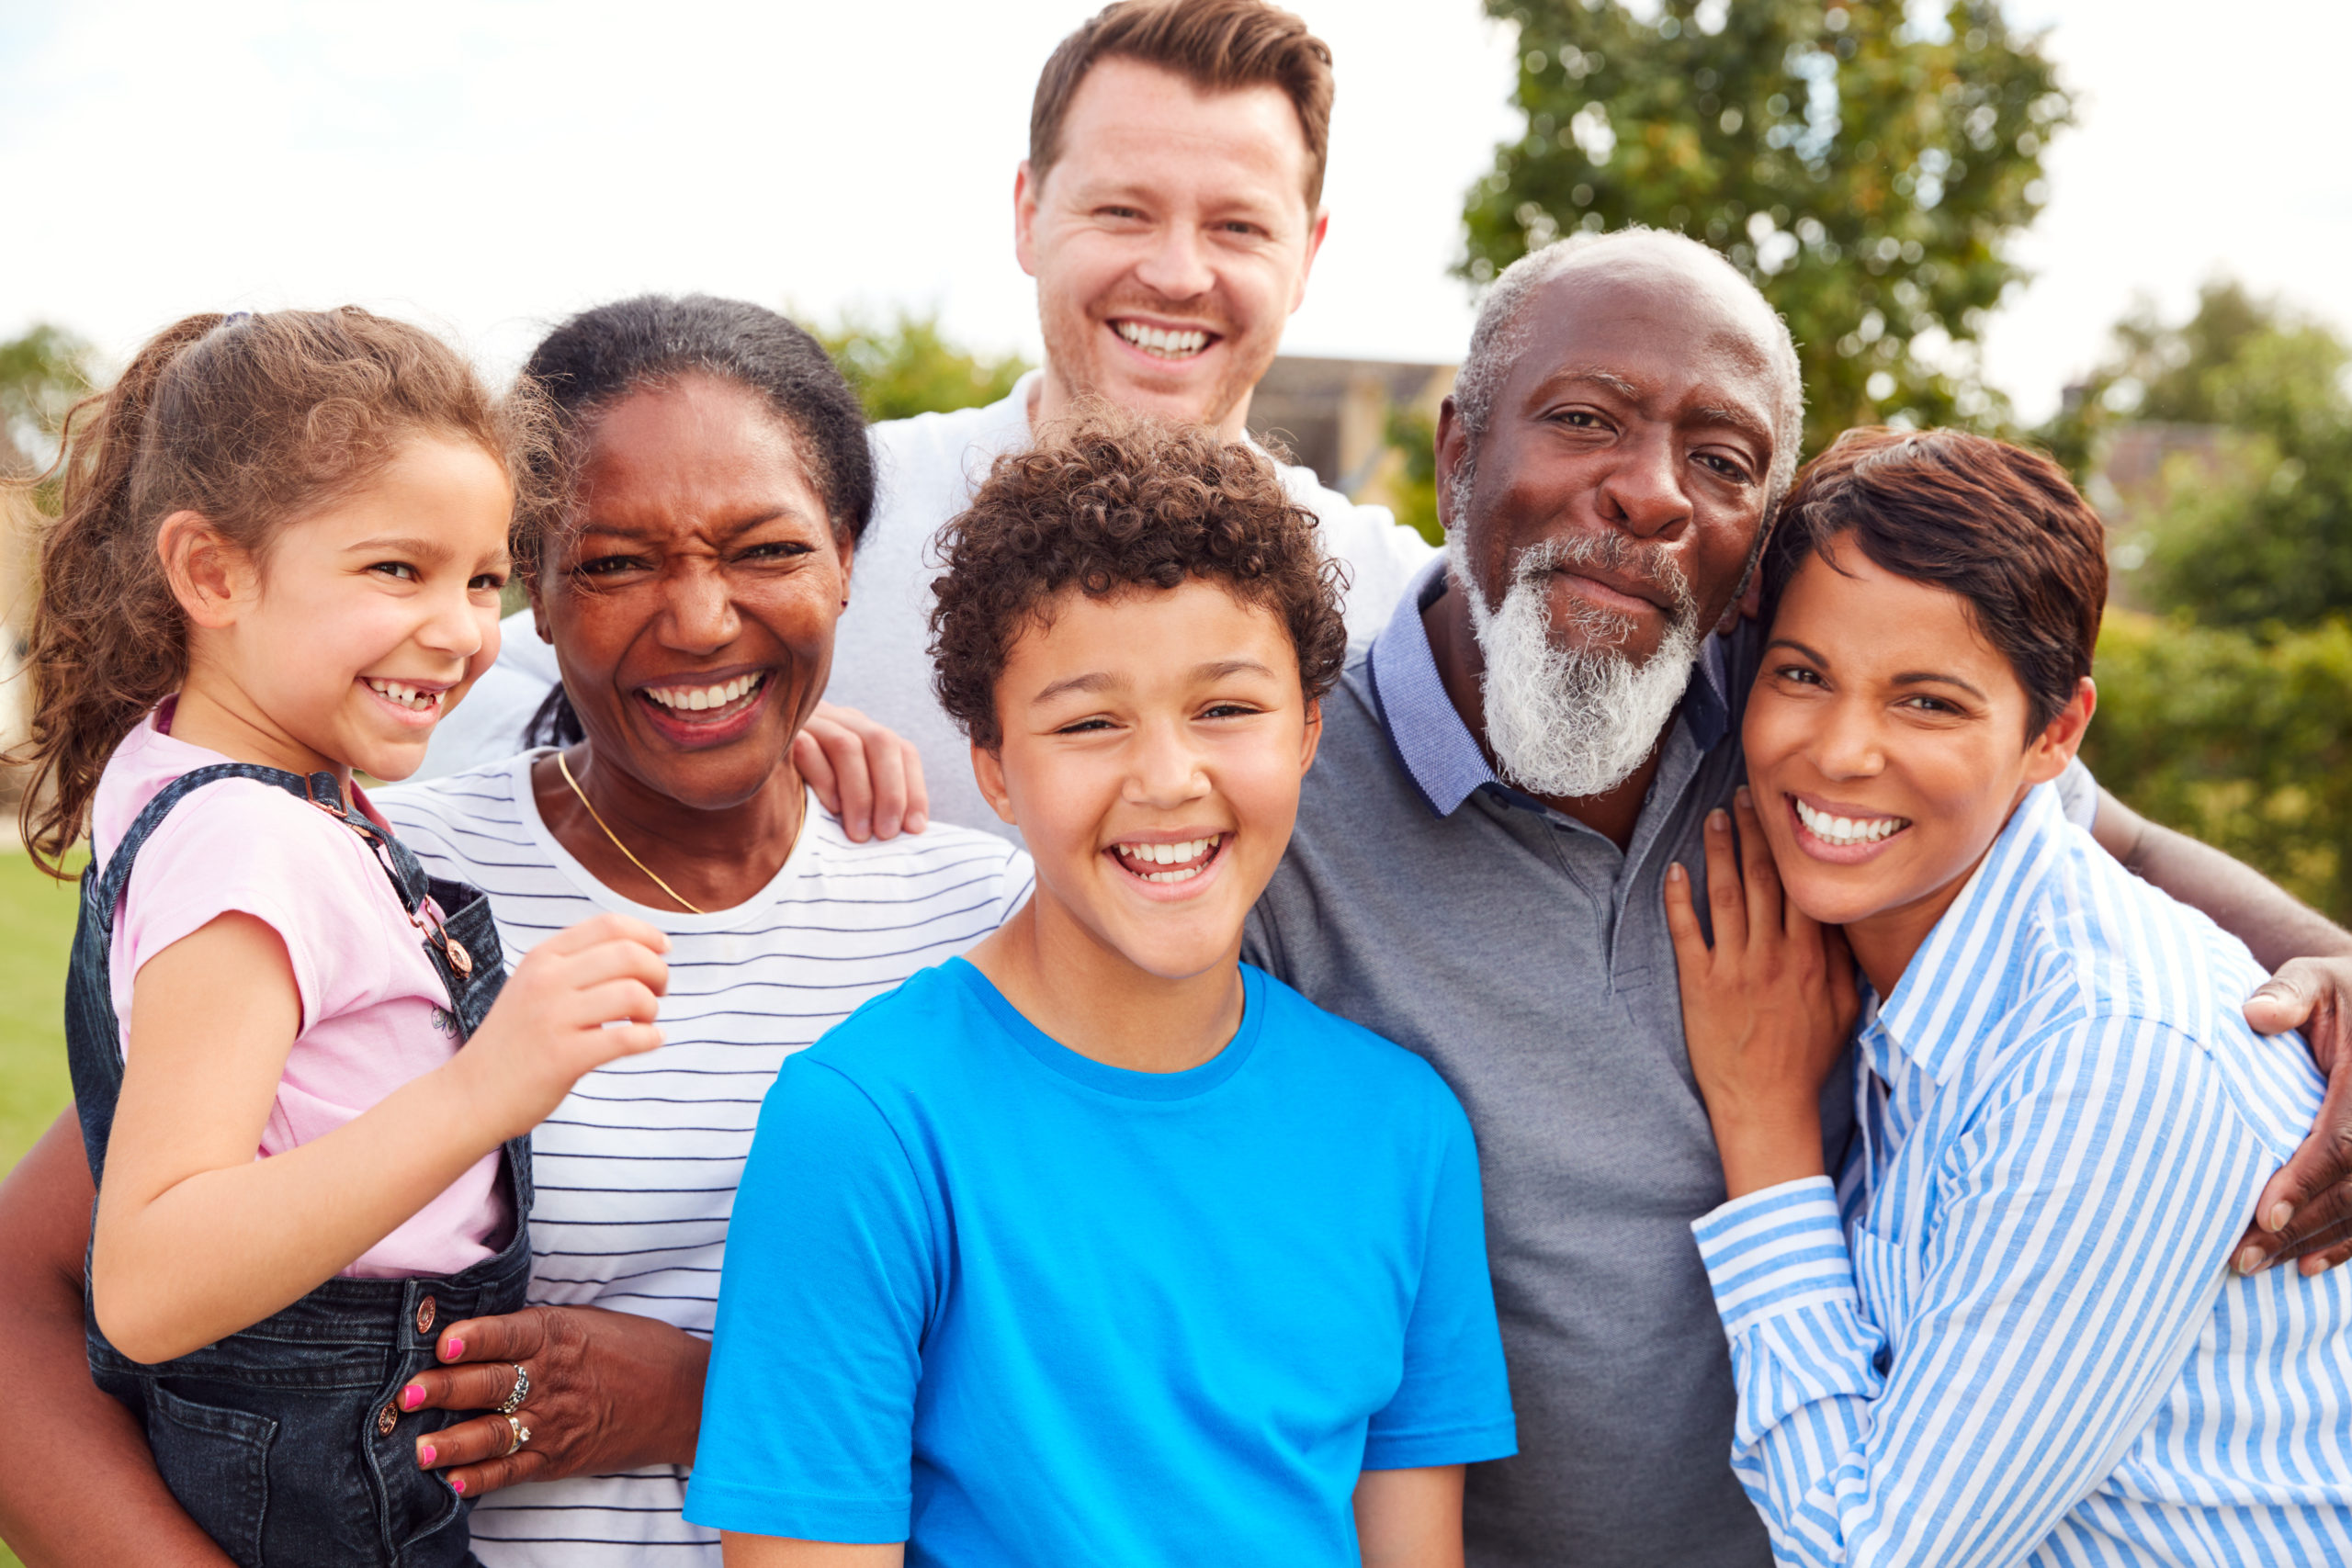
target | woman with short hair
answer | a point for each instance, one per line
(2008, 1330)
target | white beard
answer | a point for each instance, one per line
(1570, 723)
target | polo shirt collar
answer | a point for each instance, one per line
(1962, 974)
(1440, 753)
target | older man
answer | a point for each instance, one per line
(1171, 210)
(1477, 870)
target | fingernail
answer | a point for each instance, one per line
(410, 1397)
(457, 1485)
(1742, 796)
(2249, 1260)
(2312, 1267)
(2280, 1212)
(1717, 821)
(1674, 871)
(917, 821)
(453, 1349)
(426, 1454)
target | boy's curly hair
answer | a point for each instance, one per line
(1110, 502)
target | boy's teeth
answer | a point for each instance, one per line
(694, 699)
(1171, 854)
(1166, 345)
(1848, 830)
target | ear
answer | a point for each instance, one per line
(1316, 230)
(2052, 750)
(1025, 187)
(1452, 441)
(211, 577)
(987, 768)
(847, 547)
(1314, 740)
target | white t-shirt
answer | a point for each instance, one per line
(636, 1170)
(926, 469)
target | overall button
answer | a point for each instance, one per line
(386, 1419)
(459, 959)
(424, 1310)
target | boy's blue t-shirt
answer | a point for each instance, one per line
(996, 1299)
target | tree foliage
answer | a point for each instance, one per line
(2263, 531)
(41, 375)
(1865, 171)
(905, 367)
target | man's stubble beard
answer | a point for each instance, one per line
(1075, 361)
(1574, 723)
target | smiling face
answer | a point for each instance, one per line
(1170, 239)
(363, 623)
(692, 605)
(1153, 746)
(1887, 743)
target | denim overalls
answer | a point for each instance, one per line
(286, 1441)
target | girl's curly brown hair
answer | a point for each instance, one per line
(1110, 502)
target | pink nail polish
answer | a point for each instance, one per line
(426, 1454)
(457, 1485)
(410, 1397)
(455, 1348)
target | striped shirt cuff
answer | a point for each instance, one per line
(1784, 1286)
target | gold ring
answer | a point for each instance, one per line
(522, 1391)
(522, 1436)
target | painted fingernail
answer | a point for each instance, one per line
(453, 1349)
(2249, 1260)
(2280, 1212)
(457, 1485)
(410, 1397)
(426, 1453)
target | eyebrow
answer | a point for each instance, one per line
(1907, 678)
(1103, 680)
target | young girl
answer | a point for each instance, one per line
(278, 563)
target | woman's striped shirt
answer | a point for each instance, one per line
(2011, 1335)
(637, 1169)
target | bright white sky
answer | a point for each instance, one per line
(491, 165)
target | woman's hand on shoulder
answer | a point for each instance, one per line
(864, 773)
(608, 1391)
(1765, 1012)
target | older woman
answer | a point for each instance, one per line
(689, 580)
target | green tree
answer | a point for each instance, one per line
(1867, 173)
(2261, 531)
(41, 375)
(905, 366)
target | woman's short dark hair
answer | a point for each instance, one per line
(601, 355)
(2001, 526)
(1111, 503)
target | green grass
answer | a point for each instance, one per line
(35, 935)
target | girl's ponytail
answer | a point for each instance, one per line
(107, 642)
(249, 422)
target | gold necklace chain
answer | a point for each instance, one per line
(565, 769)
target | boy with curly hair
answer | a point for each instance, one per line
(1101, 1246)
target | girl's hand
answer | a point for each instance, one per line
(609, 1391)
(1766, 1011)
(585, 997)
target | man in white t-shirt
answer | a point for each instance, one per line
(1169, 208)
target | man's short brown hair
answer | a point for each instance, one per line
(1113, 502)
(1217, 45)
(2001, 526)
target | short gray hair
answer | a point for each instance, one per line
(1501, 332)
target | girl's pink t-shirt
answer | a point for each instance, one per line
(375, 1014)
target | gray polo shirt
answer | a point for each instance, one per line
(1528, 960)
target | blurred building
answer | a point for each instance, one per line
(1334, 415)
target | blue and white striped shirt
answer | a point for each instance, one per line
(2010, 1335)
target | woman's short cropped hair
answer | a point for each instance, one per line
(1110, 504)
(2001, 526)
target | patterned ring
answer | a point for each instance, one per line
(522, 1436)
(522, 1391)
